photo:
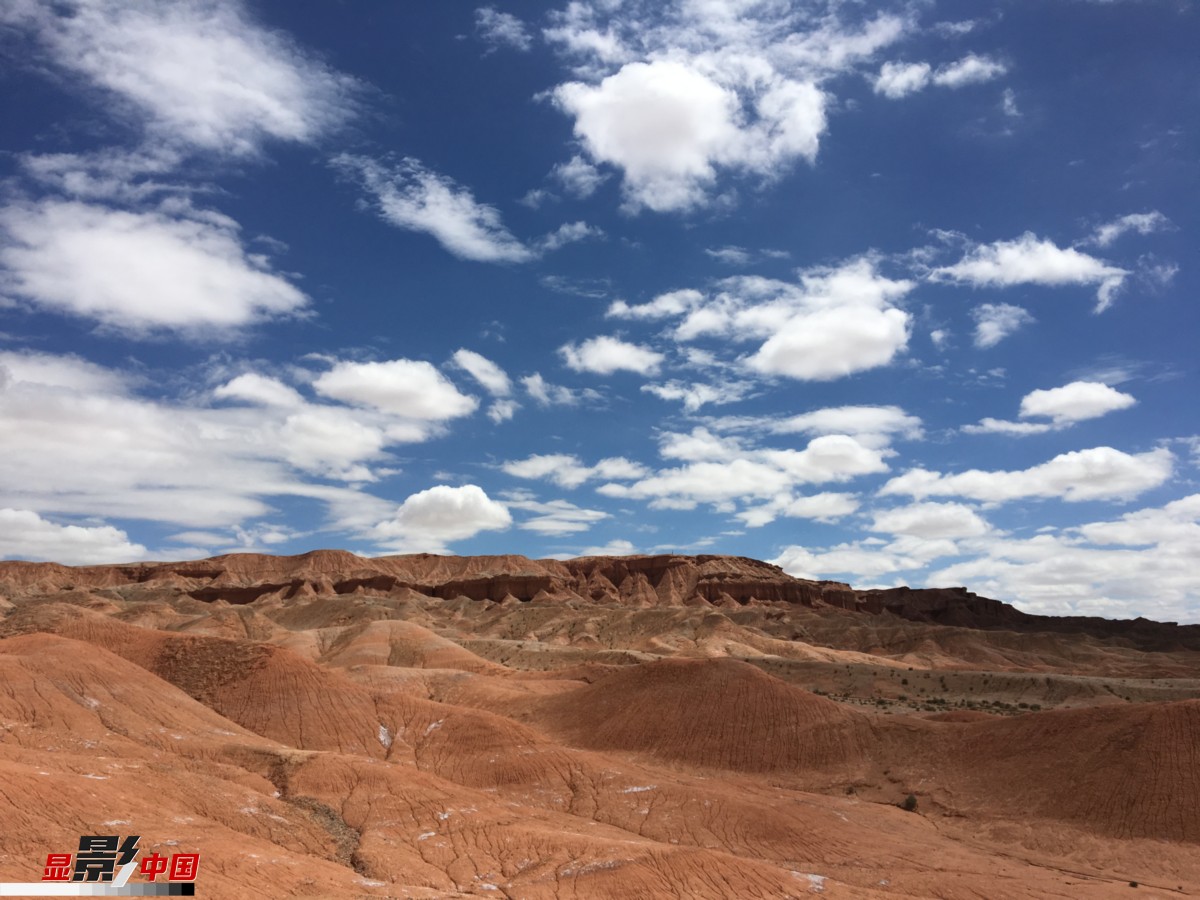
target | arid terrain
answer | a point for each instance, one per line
(328, 725)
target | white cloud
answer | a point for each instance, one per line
(1099, 473)
(263, 390)
(116, 175)
(26, 535)
(1064, 406)
(412, 197)
(824, 507)
(1075, 402)
(411, 389)
(555, 517)
(1142, 223)
(733, 256)
(568, 471)
(501, 29)
(79, 440)
(579, 177)
(677, 94)
(931, 521)
(871, 425)
(835, 322)
(426, 521)
(989, 425)
(568, 233)
(202, 74)
(1008, 103)
(502, 410)
(664, 306)
(853, 560)
(831, 343)
(546, 394)
(971, 69)
(1030, 260)
(722, 471)
(331, 441)
(663, 123)
(1099, 568)
(184, 271)
(996, 321)
(615, 547)
(899, 79)
(605, 355)
(490, 376)
(696, 395)
(896, 79)
(67, 372)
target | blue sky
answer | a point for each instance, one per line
(888, 293)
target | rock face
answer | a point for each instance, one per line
(643, 581)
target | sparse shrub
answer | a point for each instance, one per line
(904, 681)
(909, 804)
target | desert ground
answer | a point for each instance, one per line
(329, 725)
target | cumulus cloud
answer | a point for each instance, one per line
(996, 321)
(1075, 402)
(1064, 406)
(546, 394)
(732, 256)
(26, 535)
(1142, 223)
(697, 395)
(182, 270)
(409, 388)
(203, 75)
(676, 95)
(415, 198)
(566, 470)
(1031, 260)
(1098, 568)
(724, 471)
(429, 520)
(971, 69)
(1099, 473)
(262, 390)
(568, 233)
(897, 79)
(989, 425)
(501, 29)
(181, 461)
(554, 517)
(490, 376)
(605, 355)
(827, 506)
(931, 521)
(853, 561)
(835, 322)
(869, 424)
(664, 306)
(579, 177)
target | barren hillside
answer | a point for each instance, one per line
(328, 725)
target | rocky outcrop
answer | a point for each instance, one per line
(671, 580)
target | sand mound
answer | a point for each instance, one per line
(715, 712)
